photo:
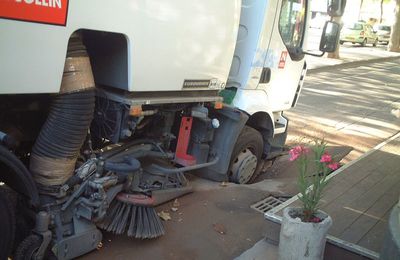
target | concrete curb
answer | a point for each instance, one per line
(351, 64)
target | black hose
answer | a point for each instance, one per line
(117, 150)
(58, 144)
(20, 179)
(128, 165)
(57, 147)
(66, 127)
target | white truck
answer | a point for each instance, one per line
(105, 105)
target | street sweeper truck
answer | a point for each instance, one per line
(105, 105)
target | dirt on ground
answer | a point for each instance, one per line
(208, 224)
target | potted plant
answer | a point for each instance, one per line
(304, 229)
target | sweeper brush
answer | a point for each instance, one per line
(134, 215)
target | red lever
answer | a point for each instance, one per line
(181, 155)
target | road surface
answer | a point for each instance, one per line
(349, 106)
(348, 52)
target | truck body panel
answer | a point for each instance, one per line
(166, 43)
(285, 69)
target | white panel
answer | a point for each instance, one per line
(169, 41)
(284, 81)
(258, 18)
(252, 101)
(250, 35)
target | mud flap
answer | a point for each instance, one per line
(232, 122)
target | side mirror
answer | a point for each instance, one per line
(336, 7)
(330, 37)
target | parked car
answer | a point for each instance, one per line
(383, 32)
(358, 32)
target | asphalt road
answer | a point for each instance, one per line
(349, 106)
(348, 52)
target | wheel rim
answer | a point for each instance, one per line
(244, 166)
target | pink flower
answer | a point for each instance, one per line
(326, 158)
(297, 151)
(315, 220)
(333, 166)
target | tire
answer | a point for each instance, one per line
(341, 42)
(24, 220)
(364, 42)
(28, 247)
(246, 156)
(375, 43)
(7, 227)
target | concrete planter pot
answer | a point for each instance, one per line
(302, 240)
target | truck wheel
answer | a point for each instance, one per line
(364, 43)
(246, 156)
(28, 247)
(7, 226)
(375, 43)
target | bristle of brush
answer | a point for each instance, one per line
(137, 221)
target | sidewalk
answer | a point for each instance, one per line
(366, 189)
(350, 54)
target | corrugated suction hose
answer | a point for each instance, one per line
(57, 147)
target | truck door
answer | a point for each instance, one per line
(284, 64)
(256, 25)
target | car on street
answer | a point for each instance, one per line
(358, 32)
(383, 32)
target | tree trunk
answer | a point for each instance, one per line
(359, 11)
(381, 16)
(335, 55)
(394, 43)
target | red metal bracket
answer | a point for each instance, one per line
(181, 155)
(136, 199)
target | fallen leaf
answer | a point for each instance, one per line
(176, 203)
(174, 209)
(223, 184)
(219, 228)
(164, 215)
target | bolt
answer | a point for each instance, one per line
(215, 123)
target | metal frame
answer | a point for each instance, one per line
(148, 98)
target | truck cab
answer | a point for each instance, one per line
(268, 65)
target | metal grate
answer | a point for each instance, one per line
(268, 203)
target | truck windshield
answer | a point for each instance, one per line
(292, 22)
